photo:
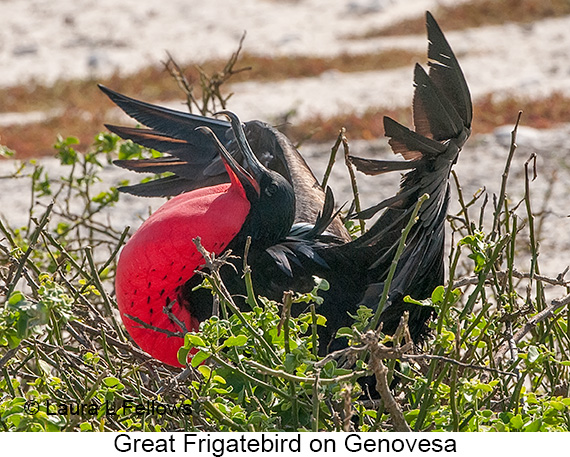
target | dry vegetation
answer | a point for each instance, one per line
(84, 107)
(477, 14)
(85, 121)
(489, 114)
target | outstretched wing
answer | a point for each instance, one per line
(194, 161)
(442, 113)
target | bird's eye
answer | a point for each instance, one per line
(271, 189)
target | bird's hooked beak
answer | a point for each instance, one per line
(255, 166)
(231, 164)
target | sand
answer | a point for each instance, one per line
(48, 40)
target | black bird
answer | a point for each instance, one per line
(195, 161)
(356, 270)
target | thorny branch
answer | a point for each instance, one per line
(472, 280)
(370, 340)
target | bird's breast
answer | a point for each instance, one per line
(161, 256)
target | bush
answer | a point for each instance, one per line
(496, 358)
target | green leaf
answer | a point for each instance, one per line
(192, 340)
(557, 405)
(409, 299)
(321, 320)
(182, 355)
(344, 332)
(321, 283)
(5, 151)
(438, 294)
(516, 422)
(205, 370)
(111, 381)
(85, 427)
(15, 298)
(67, 155)
(534, 426)
(232, 341)
(533, 354)
(199, 357)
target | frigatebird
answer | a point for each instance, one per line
(356, 269)
(161, 257)
(194, 161)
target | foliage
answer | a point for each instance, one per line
(64, 353)
(497, 357)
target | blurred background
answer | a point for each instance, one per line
(307, 66)
(313, 63)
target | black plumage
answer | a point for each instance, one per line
(356, 270)
(195, 161)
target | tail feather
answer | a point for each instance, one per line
(434, 115)
(446, 73)
(409, 143)
(391, 202)
(377, 167)
(442, 113)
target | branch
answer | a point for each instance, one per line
(143, 324)
(113, 341)
(558, 281)
(503, 191)
(546, 313)
(370, 339)
(291, 377)
(455, 362)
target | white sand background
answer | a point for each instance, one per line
(46, 40)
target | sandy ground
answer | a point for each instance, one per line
(46, 40)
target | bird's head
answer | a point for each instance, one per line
(271, 196)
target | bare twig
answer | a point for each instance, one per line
(113, 341)
(347, 407)
(146, 325)
(213, 264)
(455, 362)
(209, 84)
(9, 354)
(370, 339)
(353, 183)
(472, 280)
(188, 372)
(310, 380)
(33, 240)
(543, 315)
(505, 177)
(332, 157)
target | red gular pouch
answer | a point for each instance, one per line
(161, 256)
